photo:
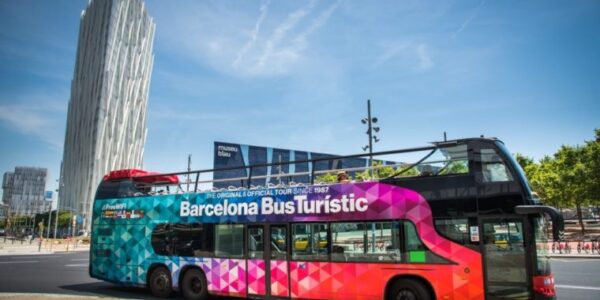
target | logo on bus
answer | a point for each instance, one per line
(298, 205)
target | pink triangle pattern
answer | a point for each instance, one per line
(256, 277)
(225, 276)
(279, 278)
(461, 280)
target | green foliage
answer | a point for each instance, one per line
(523, 160)
(327, 178)
(569, 178)
(64, 220)
(456, 167)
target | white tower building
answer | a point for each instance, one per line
(106, 122)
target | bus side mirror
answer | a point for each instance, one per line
(558, 224)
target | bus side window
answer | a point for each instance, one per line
(160, 239)
(108, 190)
(416, 251)
(493, 168)
(372, 241)
(310, 241)
(278, 242)
(229, 240)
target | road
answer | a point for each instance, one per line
(577, 278)
(68, 274)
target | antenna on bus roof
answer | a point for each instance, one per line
(445, 140)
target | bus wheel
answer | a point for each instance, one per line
(160, 282)
(409, 289)
(193, 285)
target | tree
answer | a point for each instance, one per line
(524, 161)
(326, 178)
(571, 175)
(591, 158)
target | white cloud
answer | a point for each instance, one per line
(468, 20)
(272, 43)
(425, 61)
(414, 54)
(264, 9)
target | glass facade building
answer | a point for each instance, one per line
(106, 122)
(23, 190)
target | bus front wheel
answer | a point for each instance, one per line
(160, 282)
(193, 285)
(409, 289)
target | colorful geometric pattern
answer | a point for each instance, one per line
(125, 254)
(226, 276)
(256, 277)
(279, 278)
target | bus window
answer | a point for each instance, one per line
(494, 169)
(416, 252)
(198, 240)
(454, 229)
(255, 242)
(358, 241)
(229, 240)
(382, 241)
(160, 239)
(278, 242)
(348, 241)
(309, 241)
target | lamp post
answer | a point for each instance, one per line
(372, 138)
(58, 193)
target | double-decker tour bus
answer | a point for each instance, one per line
(458, 222)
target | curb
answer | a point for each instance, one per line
(574, 256)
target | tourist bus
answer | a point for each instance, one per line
(459, 221)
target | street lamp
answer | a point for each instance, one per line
(58, 195)
(370, 121)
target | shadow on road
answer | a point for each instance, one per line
(110, 290)
(123, 292)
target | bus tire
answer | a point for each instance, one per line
(160, 282)
(409, 289)
(193, 285)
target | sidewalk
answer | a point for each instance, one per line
(17, 247)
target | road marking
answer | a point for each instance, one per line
(79, 259)
(77, 265)
(19, 262)
(577, 287)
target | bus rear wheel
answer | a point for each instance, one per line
(193, 285)
(160, 282)
(409, 289)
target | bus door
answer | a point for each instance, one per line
(267, 266)
(505, 258)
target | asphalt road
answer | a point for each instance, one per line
(68, 274)
(577, 278)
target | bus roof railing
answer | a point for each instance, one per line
(312, 173)
(247, 180)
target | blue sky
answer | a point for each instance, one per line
(296, 75)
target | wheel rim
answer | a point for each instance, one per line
(196, 285)
(406, 294)
(161, 282)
